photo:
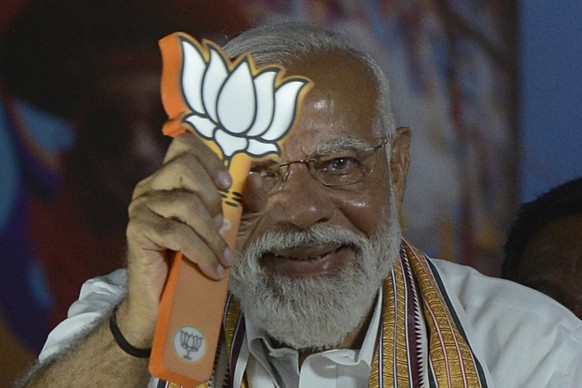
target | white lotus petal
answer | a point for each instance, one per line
(192, 73)
(228, 143)
(236, 102)
(202, 125)
(214, 77)
(258, 148)
(264, 88)
(285, 106)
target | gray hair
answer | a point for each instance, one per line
(286, 43)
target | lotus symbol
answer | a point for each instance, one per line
(232, 103)
(190, 342)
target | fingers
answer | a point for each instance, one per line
(179, 208)
(189, 164)
(180, 221)
(188, 144)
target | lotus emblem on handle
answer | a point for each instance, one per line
(232, 103)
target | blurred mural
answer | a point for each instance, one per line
(453, 77)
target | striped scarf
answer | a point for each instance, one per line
(421, 342)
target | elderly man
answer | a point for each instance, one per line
(330, 294)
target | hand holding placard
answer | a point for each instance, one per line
(242, 113)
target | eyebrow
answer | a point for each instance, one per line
(330, 147)
(341, 143)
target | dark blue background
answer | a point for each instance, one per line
(551, 93)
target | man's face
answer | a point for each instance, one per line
(316, 255)
(552, 262)
(342, 105)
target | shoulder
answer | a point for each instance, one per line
(515, 330)
(478, 293)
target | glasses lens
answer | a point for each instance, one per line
(338, 170)
(270, 174)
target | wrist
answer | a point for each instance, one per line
(137, 328)
(122, 342)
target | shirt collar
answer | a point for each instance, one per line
(258, 342)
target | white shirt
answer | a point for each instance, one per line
(279, 368)
(521, 337)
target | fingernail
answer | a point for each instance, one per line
(228, 257)
(220, 271)
(218, 221)
(224, 180)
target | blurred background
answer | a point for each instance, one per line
(491, 90)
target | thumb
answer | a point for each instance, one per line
(254, 203)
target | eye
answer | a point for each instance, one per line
(270, 174)
(267, 171)
(338, 165)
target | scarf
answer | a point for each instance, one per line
(420, 341)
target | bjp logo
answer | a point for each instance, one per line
(240, 108)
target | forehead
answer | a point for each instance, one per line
(342, 103)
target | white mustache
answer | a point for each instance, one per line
(318, 234)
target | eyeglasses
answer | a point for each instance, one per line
(345, 167)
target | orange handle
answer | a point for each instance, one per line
(192, 305)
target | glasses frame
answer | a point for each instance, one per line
(310, 162)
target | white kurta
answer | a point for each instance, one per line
(522, 338)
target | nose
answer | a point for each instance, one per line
(301, 200)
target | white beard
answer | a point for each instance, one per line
(315, 312)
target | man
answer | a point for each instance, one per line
(544, 248)
(330, 295)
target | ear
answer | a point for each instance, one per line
(399, 162)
